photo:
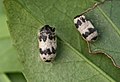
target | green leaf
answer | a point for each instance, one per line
(3, 25)
(73, 62)
(4, 78)
(16, 77)
(8, 56)
(106, 19)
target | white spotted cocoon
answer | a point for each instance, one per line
(86, 29)
(47, 43)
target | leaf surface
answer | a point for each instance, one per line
(8, 55)
(72, 63)
(106, 19)
(4, 78)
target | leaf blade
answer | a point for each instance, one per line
(110, 33)
(44, 70)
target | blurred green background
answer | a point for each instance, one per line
(10, 67)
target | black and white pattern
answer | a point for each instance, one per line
(86, 29)
(47, 43)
